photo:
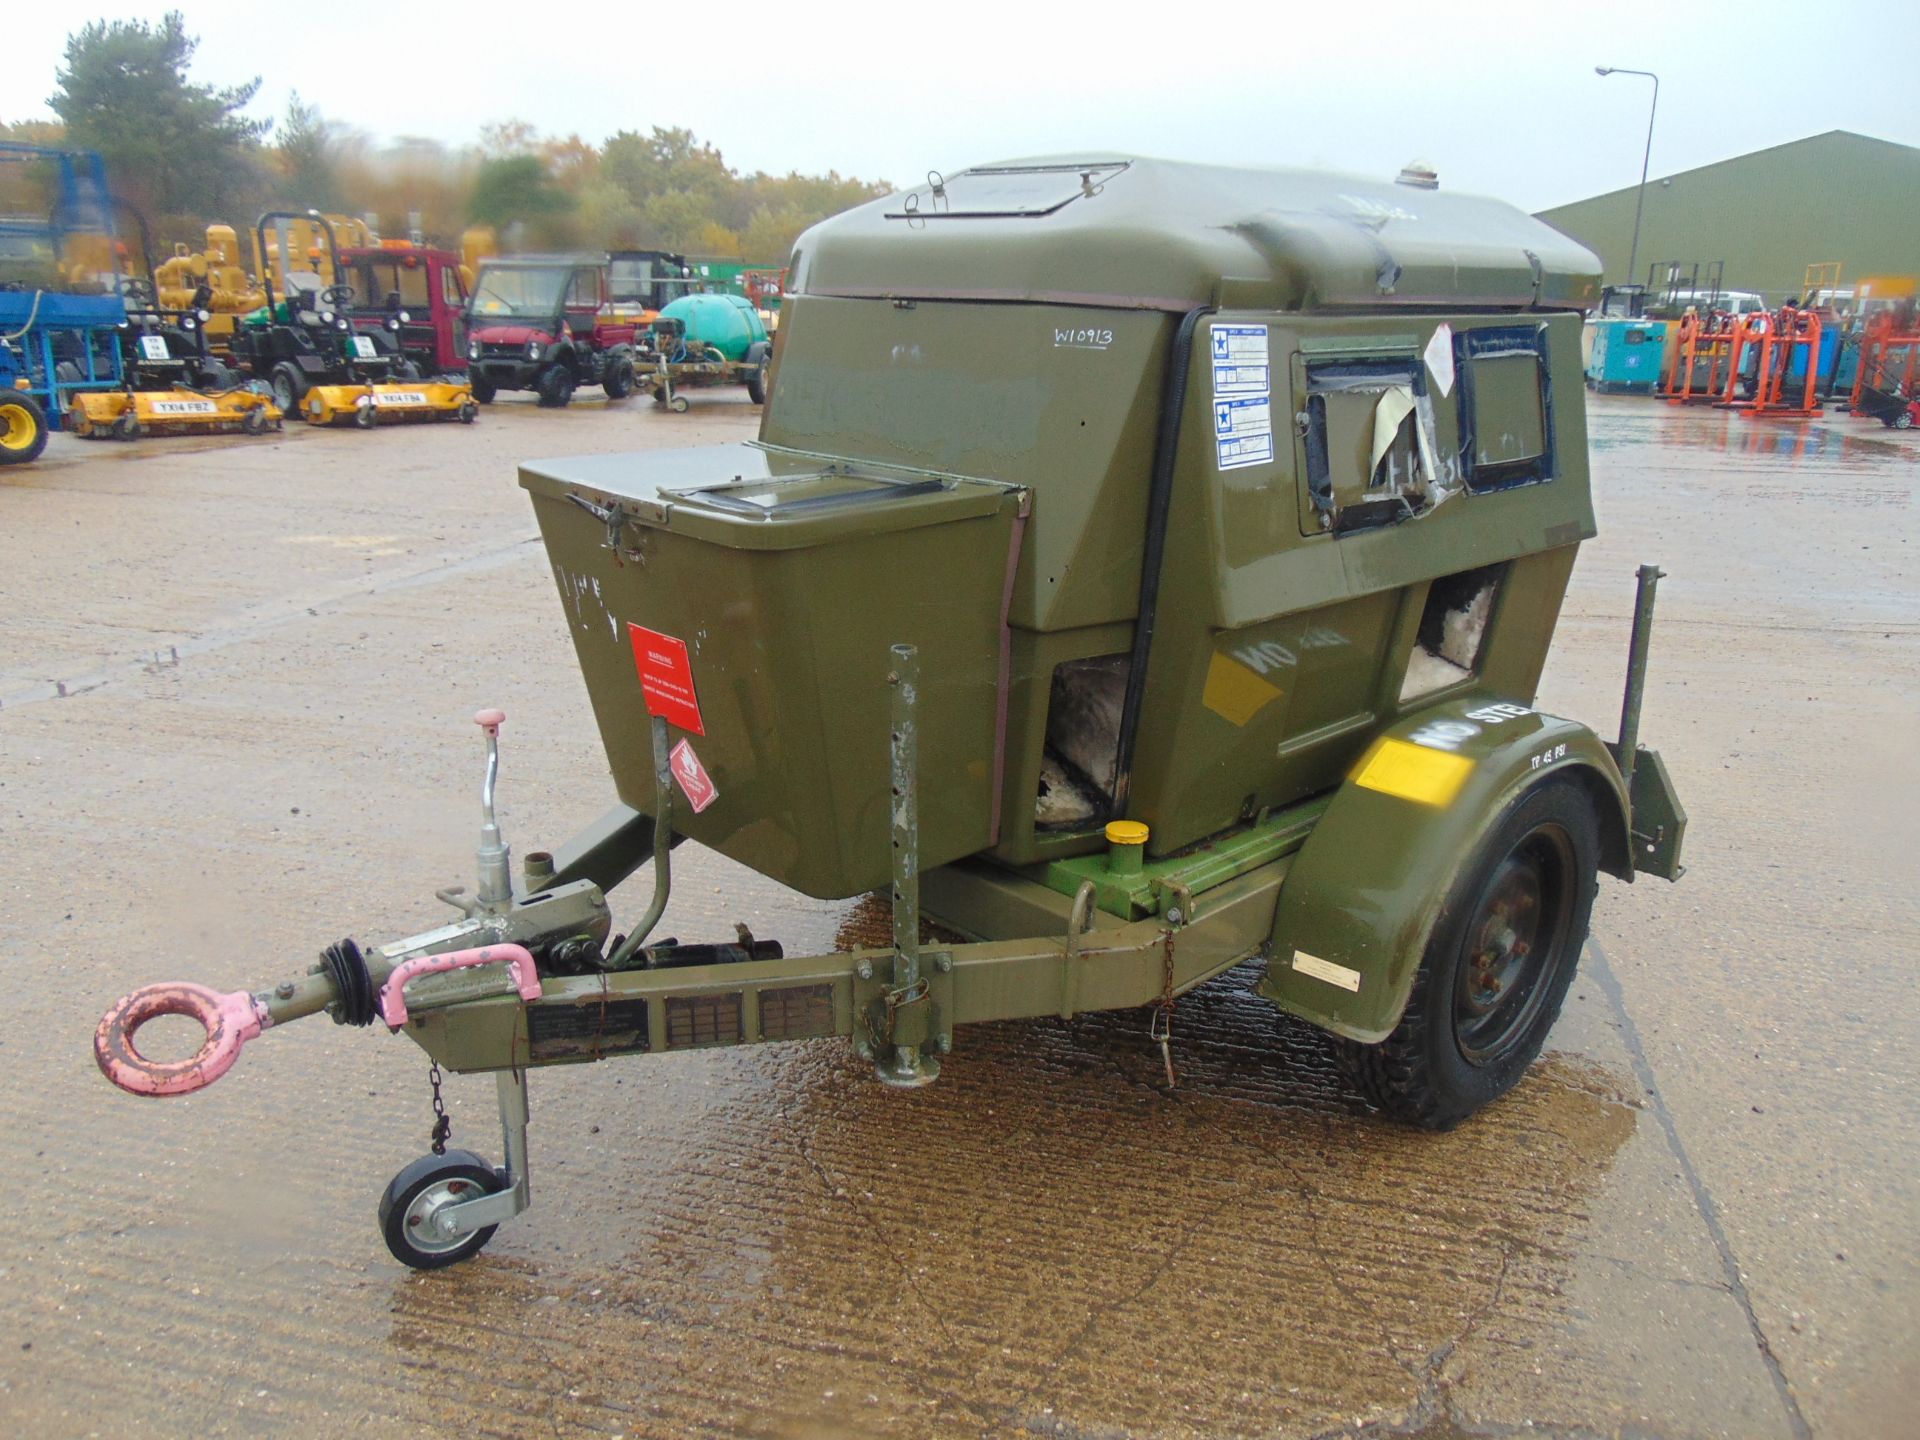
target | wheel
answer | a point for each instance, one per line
(287, 386)
(254, 422)
(619, 381)
(659, 395)
(363, 415)
(406, 370)
(483, 389)
(127, 426)
(468, 413)
(412, 1197)
(555, 386)
(678, 404)
(757, 384)
(215, 376)
(1902, 420)
(23, 428)
(1496, 969)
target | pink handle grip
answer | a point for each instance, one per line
(519, 963)
(228, 1020)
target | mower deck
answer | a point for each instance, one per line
(129, 414)
(395, 402)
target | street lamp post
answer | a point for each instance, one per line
(1640, 202)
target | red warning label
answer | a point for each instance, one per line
(666, 678)
(693, 777)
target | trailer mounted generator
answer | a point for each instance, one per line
(1141, 568)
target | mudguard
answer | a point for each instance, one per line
(1367, 887)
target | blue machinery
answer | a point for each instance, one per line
(61, 343)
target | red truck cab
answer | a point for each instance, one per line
(426, 285)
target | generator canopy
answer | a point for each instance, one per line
(1127, 232)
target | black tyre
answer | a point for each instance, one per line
(1902, 420)
(555, 386)
(757, 384)
(215, 376)
(406, 370)
(23, 428)
(416, 1192)
(1496, 969)
(127, 426)
(678, 404)
(619, 381)
(289, 387)
(254, 422)
(483, 389)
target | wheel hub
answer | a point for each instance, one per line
(1509, 950)
(427, 1224)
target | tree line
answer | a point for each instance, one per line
(187, 154)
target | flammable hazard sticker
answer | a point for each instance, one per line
(692, 775)
(666, 678)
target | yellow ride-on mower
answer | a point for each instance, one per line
(320, 364)
(173, 384)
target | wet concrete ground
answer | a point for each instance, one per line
(1696, 1217)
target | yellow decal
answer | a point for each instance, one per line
(1413, 772)
(1235, 692)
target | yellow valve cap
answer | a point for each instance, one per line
(1126, 832)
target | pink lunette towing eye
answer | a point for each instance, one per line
(229, 1022)
(517, 958)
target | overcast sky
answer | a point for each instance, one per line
(1500, 98)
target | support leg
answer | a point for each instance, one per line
(514, 1195)
(908, 1064)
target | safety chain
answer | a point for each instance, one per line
(442, 1126)
(894, 999)
(1160, 1026)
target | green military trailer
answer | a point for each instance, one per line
(1142, 567)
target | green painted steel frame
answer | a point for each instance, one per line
(1112, 967)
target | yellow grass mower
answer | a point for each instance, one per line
(367, 404)
(130, 414)
(172, 383)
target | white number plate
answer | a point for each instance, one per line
(386, 398)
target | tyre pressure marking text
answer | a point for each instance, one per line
(1414, 772)
(1547, 757)
(1332, 974)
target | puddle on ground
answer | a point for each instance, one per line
(764, 1242)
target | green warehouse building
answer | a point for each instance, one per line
(1768, 215)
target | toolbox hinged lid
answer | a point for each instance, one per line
(755, 497)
